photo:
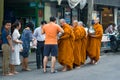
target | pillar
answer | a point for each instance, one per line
(1, 13)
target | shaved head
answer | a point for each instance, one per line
(62, 20)
(75, 23)
(80, 23)
(96, 20)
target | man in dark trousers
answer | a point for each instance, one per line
(40, 45)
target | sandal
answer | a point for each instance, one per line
(54, 71)
(16, 72)
(44, 71)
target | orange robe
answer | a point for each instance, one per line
(65, 47)
(83, 45)
(94, 43)
(77, 46)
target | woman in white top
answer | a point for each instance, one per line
(15, 55)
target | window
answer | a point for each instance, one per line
(118, 17)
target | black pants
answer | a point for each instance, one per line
(39, 54)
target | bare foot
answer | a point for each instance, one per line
(64, 70)
(15, 72)
(8, 74)
(95, 62)
(78, 67)
(91, 62)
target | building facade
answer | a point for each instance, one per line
(107, 10)
(38, 10)
(22, 10)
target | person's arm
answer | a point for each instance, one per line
(10, 42)
(60, 29)
(35, 34)
(43, 30)
(77, 34)
(99, 33)
(31, 38)
(15, 39)
(66, 34)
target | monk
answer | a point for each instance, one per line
(84, 42)
(65, 47)
(94, 42)
(77, 44)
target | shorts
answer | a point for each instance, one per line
(25, 53)
(53, 49)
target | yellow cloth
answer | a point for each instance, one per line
(65, 47)
(77, 45)
(83, 45)
(94, 43)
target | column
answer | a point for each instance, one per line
(115, 15)
(1, 13)
(47, 11)
(90, 10)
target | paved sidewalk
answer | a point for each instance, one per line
(32, 59)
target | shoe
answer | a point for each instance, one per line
(44, 71)
(54, 71)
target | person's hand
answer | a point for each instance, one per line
(20, 42)
(12, 49)
(92, 35)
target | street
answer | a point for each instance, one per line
(108, 68)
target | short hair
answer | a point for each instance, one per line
(30, 25)
(43, 22)
(6, 21)
(52, 19)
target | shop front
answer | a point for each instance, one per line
(104, 9)
(24, 10)
(64, 11)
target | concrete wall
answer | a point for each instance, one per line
(1, 13)
(47, 11)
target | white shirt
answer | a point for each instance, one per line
(38, 34)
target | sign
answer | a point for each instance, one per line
(33, 4)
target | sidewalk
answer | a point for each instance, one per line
(32, 59)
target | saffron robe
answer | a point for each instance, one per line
(94, 43)
(83, 45)
(77, 45)
(65, 47)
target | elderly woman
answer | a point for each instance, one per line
(26, 37)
